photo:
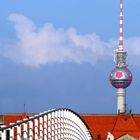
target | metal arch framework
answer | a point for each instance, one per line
(58, 124)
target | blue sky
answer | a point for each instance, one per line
(60, 53)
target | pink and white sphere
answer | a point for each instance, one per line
(120, 77)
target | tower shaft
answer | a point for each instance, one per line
(121, 100)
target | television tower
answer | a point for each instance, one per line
(121, 76)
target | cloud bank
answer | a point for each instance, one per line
(36, 46)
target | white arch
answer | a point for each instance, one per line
(58, 124)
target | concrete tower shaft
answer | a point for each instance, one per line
(121, 100)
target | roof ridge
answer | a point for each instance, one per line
(123, 118)
(135, 122)
(114, 124)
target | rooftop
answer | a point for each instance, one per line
(118, 125)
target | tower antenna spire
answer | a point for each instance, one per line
(120, 52)
(121, 26)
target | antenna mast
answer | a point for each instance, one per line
(121, 26)
(120, 52)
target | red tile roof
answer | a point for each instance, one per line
(117, 125)
(11, 118)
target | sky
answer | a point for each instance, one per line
(59, 54)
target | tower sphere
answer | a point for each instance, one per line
(120, 77)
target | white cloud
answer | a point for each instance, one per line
(133, 46)
(36, 46)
